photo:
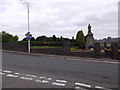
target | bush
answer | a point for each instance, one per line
(42, 43)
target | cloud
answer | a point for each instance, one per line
(60, 17)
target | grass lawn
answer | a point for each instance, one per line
(38, 47)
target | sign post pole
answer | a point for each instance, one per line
(28, 46)
(28, 26)
(28, 36)
(28, 29)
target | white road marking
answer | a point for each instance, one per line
(97, 61)
(58, 84)
(82, 84)
(68, 58)
(80, 88)
(99, 87)
(7, 71)
(51, 57)
(63, 81)
(26, 78)
(77, 87)
(111, 62)
(2, 73)
(44, 81)
(17, 73)
(76, 59)
(38, 80)
(11, 75)
(49, 78)
(42, 77)
(31, 75)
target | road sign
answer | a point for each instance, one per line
(28, 35)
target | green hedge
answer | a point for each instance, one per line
(37, 43)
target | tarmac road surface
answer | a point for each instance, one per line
(29, 71)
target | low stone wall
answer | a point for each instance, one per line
(81, 54)
(56, 51)
(114, 54)
(15, 47)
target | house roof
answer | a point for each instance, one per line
(113, 40)
(100, 41)
(110, 40)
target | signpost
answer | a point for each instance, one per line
(28, 37)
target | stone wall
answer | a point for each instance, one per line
(15, 47)
(114, 54)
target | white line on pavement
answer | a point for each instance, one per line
(96, 61)
(68, 58)
(82, 84)
(26, 78)
(7, 71)
(31, 75)
(42, 81)
(42, 77)
(49, 78)
(2, 73)
(16, 73)
(58, 84)
(80, 88)
(11, 75)
(63, 81)
(99, 87)
(38, 80)
(111, 62)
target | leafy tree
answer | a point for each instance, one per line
(61, 38)
(15, 38)
(0, 37)
(41, 38)
(67, 39)
(6, 37)
(33, 39)
(80, 39)
(50, 39)
(54, 38)
(24, 39)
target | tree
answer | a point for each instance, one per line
(15, 38)
(41, 38)
(6, 37)
(24, 39)
(80, 39)
(54, 38)
(32, 39)
(0, 36)
(61, 38)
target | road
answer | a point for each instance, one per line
(30, 71)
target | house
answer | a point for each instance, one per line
(107, 43)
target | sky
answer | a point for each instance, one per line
(60, 17)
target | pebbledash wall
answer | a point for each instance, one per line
(114, 53)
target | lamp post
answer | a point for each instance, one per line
(28, 24)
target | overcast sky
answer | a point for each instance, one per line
(60, 17)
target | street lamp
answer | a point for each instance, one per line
(28, 24)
